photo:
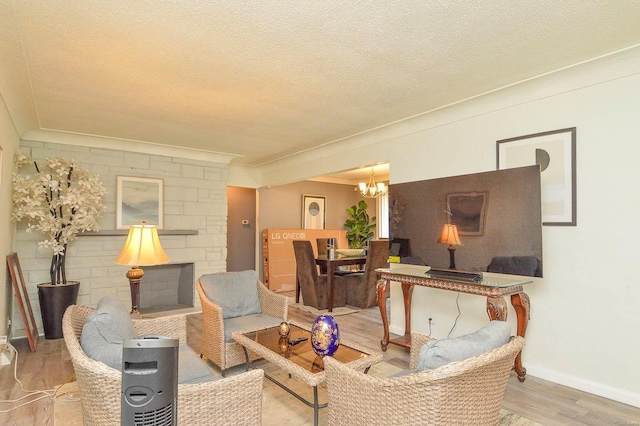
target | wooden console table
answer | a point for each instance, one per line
(494, 287)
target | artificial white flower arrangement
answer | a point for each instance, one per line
(61, 200)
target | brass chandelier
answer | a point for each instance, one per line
(372, 189)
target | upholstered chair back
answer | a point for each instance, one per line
(361, 287)
(377, 257)
(306, 272)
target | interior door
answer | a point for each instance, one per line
(241, 229)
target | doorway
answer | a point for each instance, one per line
(241, 229)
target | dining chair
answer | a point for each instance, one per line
(361, 287)
(313, 286)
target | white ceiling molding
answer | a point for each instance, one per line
(100, 142)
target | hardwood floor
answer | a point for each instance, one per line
(536, 399)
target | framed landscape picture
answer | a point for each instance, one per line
(139, 199)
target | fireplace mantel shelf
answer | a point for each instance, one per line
(124, 232)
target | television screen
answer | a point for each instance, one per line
(497, 214)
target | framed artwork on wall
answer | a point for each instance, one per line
(139, 199)
(555, 153)
(467, 212)
(313, 211)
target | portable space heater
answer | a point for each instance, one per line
(150, 381)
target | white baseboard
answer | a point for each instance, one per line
(585, 385)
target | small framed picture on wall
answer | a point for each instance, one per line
(139, 199)
(313, 211)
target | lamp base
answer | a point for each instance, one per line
(135, 274)
(452, 257)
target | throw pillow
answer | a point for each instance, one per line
(235, 292)
(104, 331)
(440, 352)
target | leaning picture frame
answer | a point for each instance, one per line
(313, 211)
(22, 296)
(139, 199)
(555, 152)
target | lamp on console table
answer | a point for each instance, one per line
(450, 236)
(142, 248)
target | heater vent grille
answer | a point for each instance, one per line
(161, 417)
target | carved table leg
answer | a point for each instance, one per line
(520, 302)
(497, 308)
(381, 286)
(407, 293)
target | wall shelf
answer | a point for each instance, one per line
(125, 232)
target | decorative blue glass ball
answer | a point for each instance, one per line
(325, 336)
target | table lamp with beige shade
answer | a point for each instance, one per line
(450, 236)
(142, 248)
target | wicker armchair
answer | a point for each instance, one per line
(468, 392)
(213, 345)
(236, 400)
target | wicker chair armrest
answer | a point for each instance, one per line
(233, 400)
(212, 315)
(417, 341)
(174, 326)
(273, 304)
(76, 316)
(212, 344)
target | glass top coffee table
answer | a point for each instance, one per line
(299, 360)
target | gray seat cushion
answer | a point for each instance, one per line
(249, 322)
(191, 369)
(235, 292)
(440, 352)
(104, 331)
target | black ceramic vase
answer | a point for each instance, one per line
(54, 300)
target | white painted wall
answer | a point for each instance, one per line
(9, 144)
(585, 325)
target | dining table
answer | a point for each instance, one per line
(331, 265)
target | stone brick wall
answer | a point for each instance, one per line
(195, 198)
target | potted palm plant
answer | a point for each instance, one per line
(60, 200)
(360, 225)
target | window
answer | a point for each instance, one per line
(382, 215)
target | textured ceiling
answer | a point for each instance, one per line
(267, 79)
